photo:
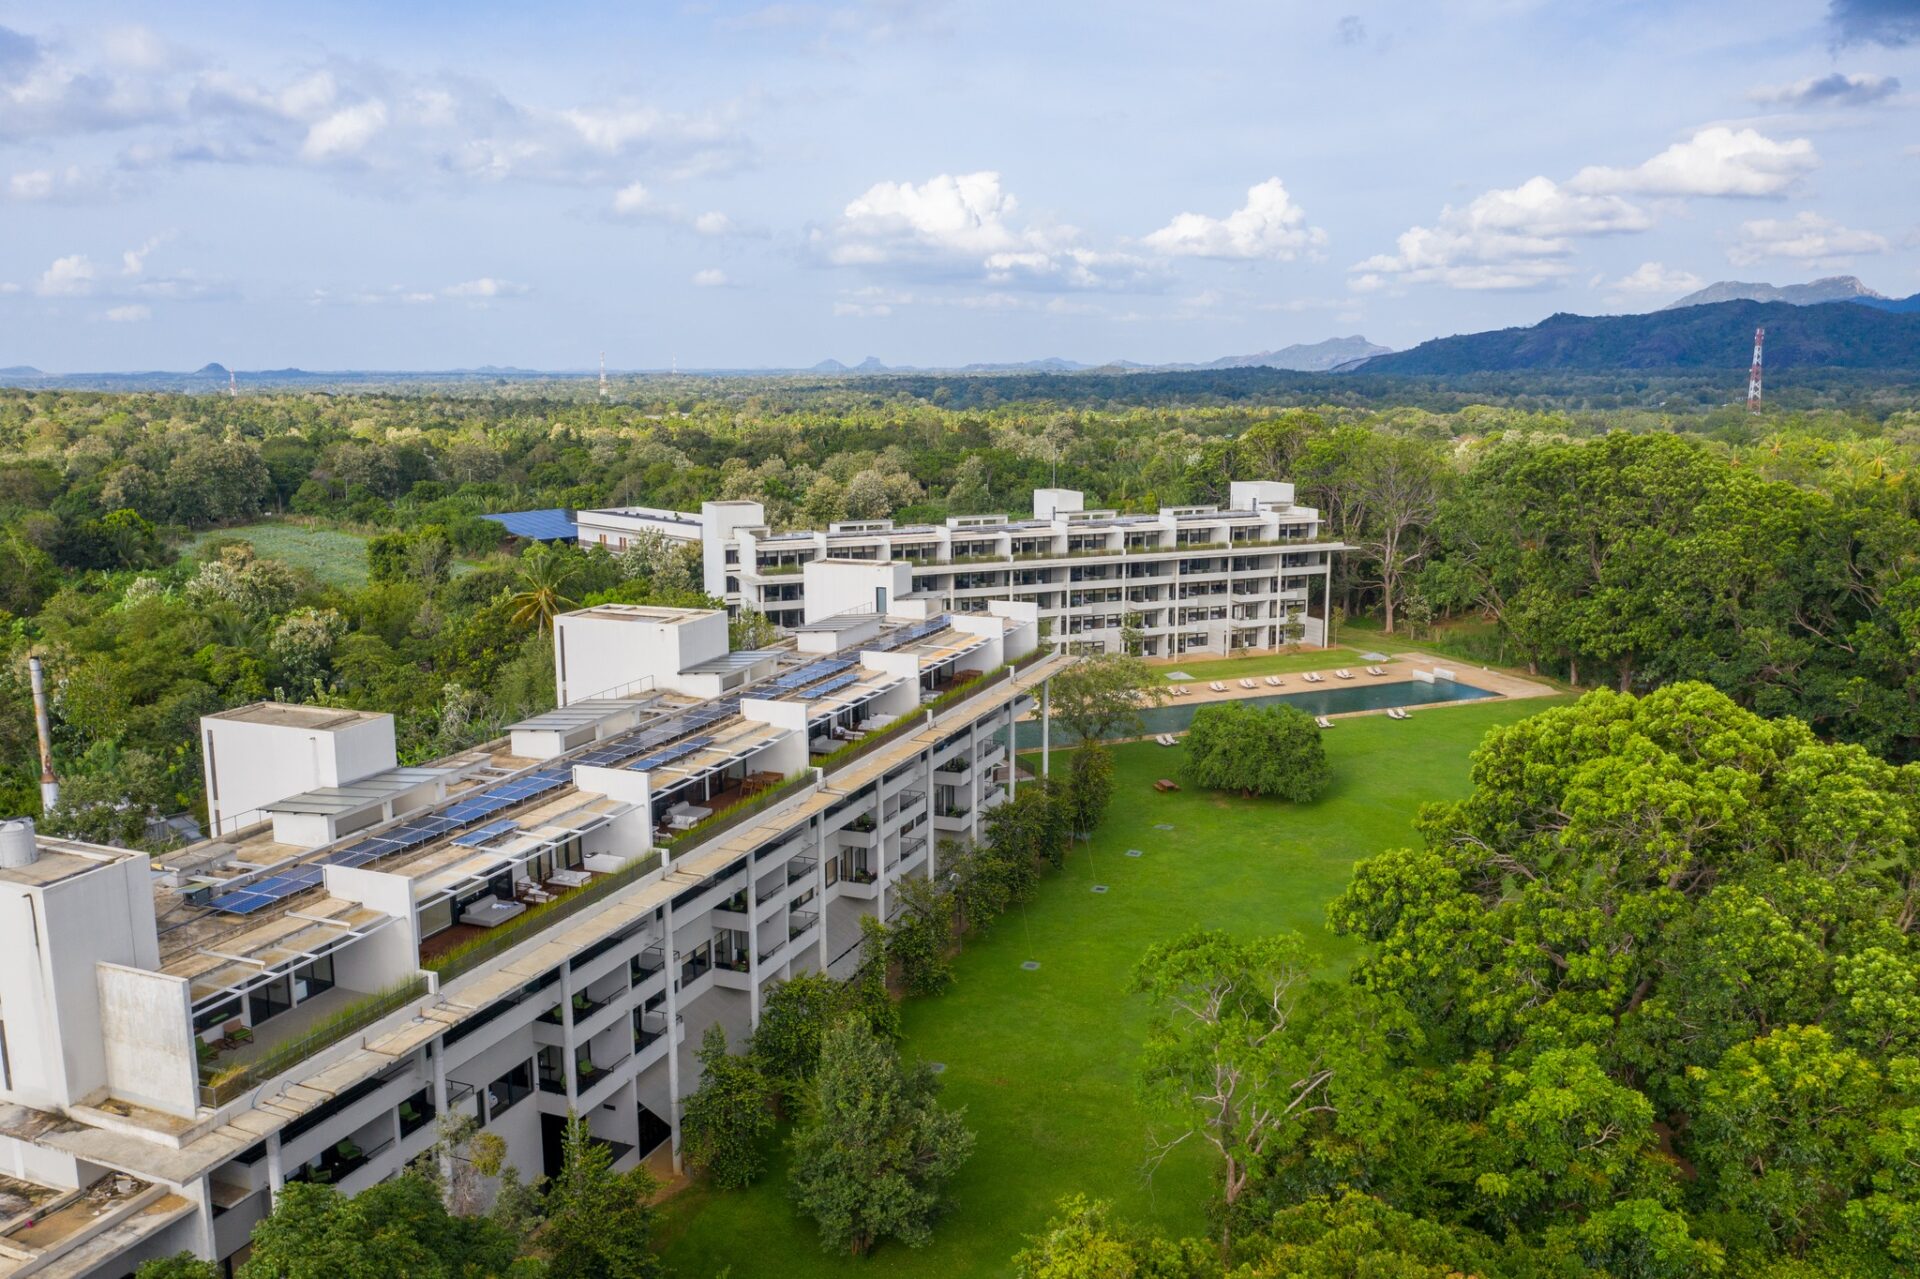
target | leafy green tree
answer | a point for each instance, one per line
(1083, 1241)
(794, 1017)
(872, 1159)
(1257, 750)
(1100, 698)
(917, 941)
(1351, 1234)
(398, 1228)
(865, 994)
(724, 1119)
(1089, 786)
(1221, 1059)
(597, 1223)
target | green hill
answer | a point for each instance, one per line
(1834, 335)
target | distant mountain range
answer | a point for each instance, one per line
(1708, 335)
(1835, 288)
(1314, 357)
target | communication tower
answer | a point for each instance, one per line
(1753, 378)
(603, 375)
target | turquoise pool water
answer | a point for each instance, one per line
(1176, 716)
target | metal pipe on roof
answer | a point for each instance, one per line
(49, 785)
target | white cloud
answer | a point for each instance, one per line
(1836, 90)
(484, 289)
(1656, 278)
(1511, 238)
(345, 132)
(129, 314)
(1807, 237)
(633, 200)
(710, 278)
(67, 277)
(1269, 225)
(134, 261)
(966, 225)
(1715, 161)
(713, 222)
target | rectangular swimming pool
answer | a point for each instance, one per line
(1176, 717)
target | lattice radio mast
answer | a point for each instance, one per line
(603, 375)
(233, 387)
(1753, 378)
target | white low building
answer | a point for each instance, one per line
(1193, 579)
(180, 1039)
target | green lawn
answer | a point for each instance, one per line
(337, 557)
(1044, 1060)
(1203, 669)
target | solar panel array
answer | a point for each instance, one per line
(910, 635)
(409, 834)
(809, 673)
(480, 835)
(832, 686)
(660, 759)
(472, 808)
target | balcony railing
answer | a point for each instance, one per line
(224, 1086)
(799, 921)
(800, 868)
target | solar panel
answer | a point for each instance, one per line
(660, 759)
(355, 856)
(831, 686)
(916, 632)
(811, 672)
(474, 838)
(241, 902)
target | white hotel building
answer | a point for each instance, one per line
(540, 925)
(1194, 579)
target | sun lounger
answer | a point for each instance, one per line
(1343, 673)
(1313, 678)
(1217, 687)
(1376, 670)
(1323, 721)
(1274, 681)
(1247, 683)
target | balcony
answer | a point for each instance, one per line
(801, 921)
(801, 868)
(338, 1162)
(648, 963)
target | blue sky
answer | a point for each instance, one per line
(429, 185)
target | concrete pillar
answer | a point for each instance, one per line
(569, 1048)
(203, 1211)
(673, 1036)
(820, 883)
(1013, 756)
(1046, 727)
(276, 1173)
(753, 944)
(932, 836)
(437, 1052)
(973, 781)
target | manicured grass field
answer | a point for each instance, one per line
(1316, 659)
(335, 556)
(1044, 1061)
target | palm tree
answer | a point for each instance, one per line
(547, 577)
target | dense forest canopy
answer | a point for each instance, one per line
(1771, 555)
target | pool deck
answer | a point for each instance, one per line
(1399, 668)
(1399, 671)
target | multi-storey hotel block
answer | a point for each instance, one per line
(1192, 579)
(541, 925)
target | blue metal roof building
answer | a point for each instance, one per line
(551, 525)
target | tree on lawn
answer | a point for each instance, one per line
(1089, 786)
(794, 1017)
(598, 1223)
(1221, 1057)
(918, 939)
(726, 1116)
(1100, 698)
(876, 1151)
(1257, 750)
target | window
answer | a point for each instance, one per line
(506, 1092)
(217, 1015)
(436, 918)
(312, 979)
(270, 1000)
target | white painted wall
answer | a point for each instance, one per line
(249, 765)
(147, 1032)
(718, 520)
(832, 587)
(603, 652)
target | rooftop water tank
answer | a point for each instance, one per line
(17, 844)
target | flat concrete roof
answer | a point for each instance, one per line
(321, 719)
(63, 859)
(640, 613)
